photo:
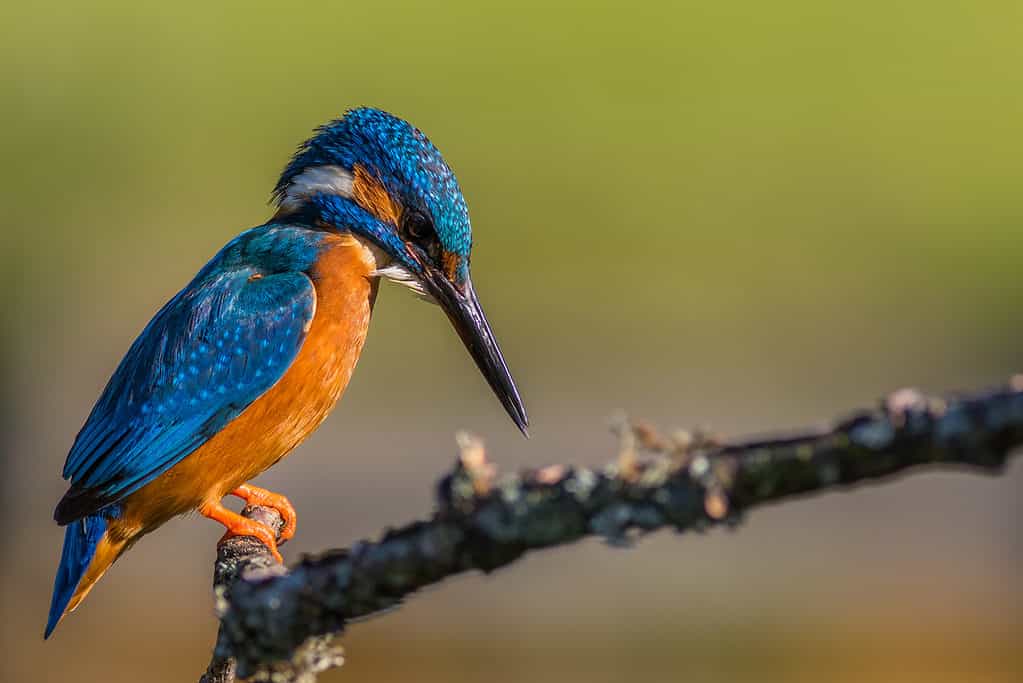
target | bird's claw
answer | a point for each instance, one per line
(253, 495)
(257, 530)
(241, 526)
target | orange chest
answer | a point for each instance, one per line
(305, 395)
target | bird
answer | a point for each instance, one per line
(248, 359)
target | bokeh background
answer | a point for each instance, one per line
(744, 215)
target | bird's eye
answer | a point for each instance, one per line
(418, 227)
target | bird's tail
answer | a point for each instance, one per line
(88, 552)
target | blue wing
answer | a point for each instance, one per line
(210, 352)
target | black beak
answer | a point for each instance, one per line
(465, 313)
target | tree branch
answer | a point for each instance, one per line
(283, 624)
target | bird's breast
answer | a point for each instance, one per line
(345, 293)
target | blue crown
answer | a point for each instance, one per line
(405, 161)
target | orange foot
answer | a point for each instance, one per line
(241, 526)
(253, 495)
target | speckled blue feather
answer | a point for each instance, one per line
(211, 351)
(408, 164)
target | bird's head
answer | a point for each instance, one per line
(378, 177)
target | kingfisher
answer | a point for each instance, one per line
(241, 365)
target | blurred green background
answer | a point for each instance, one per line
(744, 215)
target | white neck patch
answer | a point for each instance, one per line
(317, 180)
(400, 275)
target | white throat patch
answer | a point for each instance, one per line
(317, 180)
(399, 275)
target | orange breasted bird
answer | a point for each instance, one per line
(241, 365)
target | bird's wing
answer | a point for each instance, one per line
(210, 352)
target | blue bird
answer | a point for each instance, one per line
(241, 365)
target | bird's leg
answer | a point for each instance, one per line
(253, 495)
(241, 526)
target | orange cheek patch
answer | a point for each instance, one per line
(451, 262)
(371, 196)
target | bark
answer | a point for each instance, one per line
(283, 624)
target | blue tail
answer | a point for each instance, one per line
(80, 540)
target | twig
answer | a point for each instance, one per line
(282, 625)
(238, 556)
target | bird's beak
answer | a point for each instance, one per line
(463, 309)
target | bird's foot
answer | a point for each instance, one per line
(242, 526)
(253, 495)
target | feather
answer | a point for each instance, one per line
(399, 274)
(328, 179)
